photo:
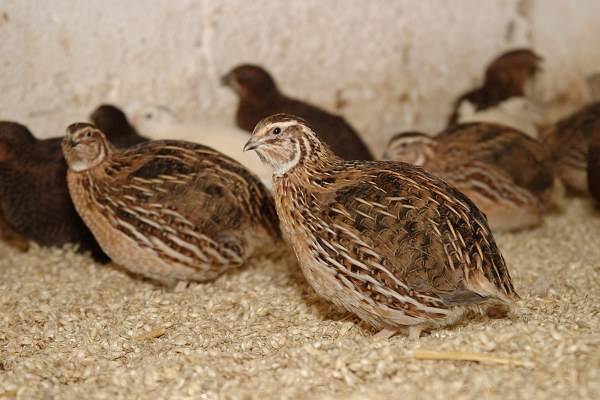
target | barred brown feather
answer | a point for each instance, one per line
(506, 173)
(568, 141)
(169, 210)
(388, 241)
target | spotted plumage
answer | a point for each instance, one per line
(506, 173)
(568, 141)
(169, 210)
(505, 95)
(260, 97)
(388, 241)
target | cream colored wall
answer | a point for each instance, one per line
(386, 65)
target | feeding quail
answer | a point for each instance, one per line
(34, 200)
(505, 94)
(508, 174)
(113, 122)
(568, 141)
(169, 210)
(260, 97)
(398, 247)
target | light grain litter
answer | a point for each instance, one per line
(72, 329)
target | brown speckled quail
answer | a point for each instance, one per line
(508, 174)
(260, 97)
(395, 245)
(34, 199)
(169, 210)
(503, 97)
(568, 141)
(113, 122)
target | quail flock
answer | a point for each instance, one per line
(406, 244)
(508, 174)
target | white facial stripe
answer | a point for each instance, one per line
(283, 125)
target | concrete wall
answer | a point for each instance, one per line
(387, 65)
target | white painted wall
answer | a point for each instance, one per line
(391, 64)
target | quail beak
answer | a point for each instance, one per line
(252, 144)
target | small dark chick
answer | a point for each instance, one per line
(260, 97)
(506, 77)
(114, 123)
(34, 200)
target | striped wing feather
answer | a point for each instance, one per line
(186, 201)
(417, 235)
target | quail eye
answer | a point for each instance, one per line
(276, 131)
(88, 134)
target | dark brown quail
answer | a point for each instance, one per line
(593, 171)
(568, 141)
(508, 174)
(113, 122)
(169, 210)
(395, 245)
(504, 95)
(260, 97)
(34, 200)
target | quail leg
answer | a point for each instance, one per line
(414, 332)
(180, 286)
(386, 333)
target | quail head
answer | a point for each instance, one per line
(398, 247)
(115, 124)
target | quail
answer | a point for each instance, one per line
(508, 174)
(504, 97)
(568, 140)
(169, 210)
(113, 121)
(389, 242)
(260, 97)
(593, 166)
(34, 201)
